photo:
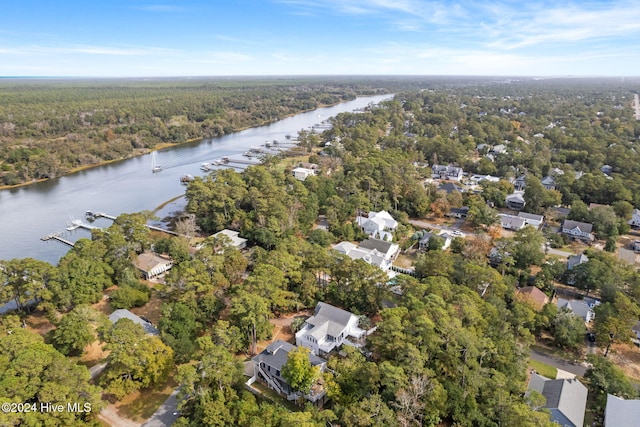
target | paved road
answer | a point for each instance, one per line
(557, 252)
(558, 363)
(166, 414)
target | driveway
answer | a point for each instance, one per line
(556, 362)
(424, 224)
(166, 414)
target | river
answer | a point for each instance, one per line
(30, 212)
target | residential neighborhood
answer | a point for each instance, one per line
(393, 266)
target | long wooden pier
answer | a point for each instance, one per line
(57, 236)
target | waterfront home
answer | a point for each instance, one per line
(302, 174)
(152, 265)
(233, 237)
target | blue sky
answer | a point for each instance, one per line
(120, 38)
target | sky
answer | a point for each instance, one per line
(140, 38)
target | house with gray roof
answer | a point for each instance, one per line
(515, 201)
(126, 314)
(576, 260)
(372, 251)
(580, 308)
(635, 219)
(452, 173)
(267, 369)
(447, 238)
(152, 265)
(578, 230)
(549, 182)
(511, 222)
(566, 399)
(621, 413)
(531, 219)
(328, 329)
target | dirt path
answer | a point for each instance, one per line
(110, 416)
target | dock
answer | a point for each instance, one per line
(113, 218)
(57, 236)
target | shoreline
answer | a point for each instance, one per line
(162, 146)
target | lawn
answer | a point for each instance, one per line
(543, 369)
(273, 397)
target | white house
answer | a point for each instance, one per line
(581, 308)
(378, 225)
(578, 230)
(511, 222)
(302, 173)
(372, 251)
(234, 236)
(635, 219)
(152, 265)
(328, 329)
(446, 237)
(531, 219)
(452, 173)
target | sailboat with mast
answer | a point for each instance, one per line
(154, 166)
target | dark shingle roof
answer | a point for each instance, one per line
(380, 245)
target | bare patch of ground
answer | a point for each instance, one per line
(151, 310)
(626, 358)
(39, 323)
(111, 417)
(282, 328)
(93, 354)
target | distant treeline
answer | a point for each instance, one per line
(48, 128)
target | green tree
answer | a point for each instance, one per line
(77, 329)
(136, 361)
(33, 372)
(250, 313)
(298, 371)
(26, 281)
(568, 329)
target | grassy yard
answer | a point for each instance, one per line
(273, 397)
(140, 406)
(543, 369)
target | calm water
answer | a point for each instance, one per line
(28, 213)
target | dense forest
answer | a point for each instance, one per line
(50, 128)
(452, 342)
